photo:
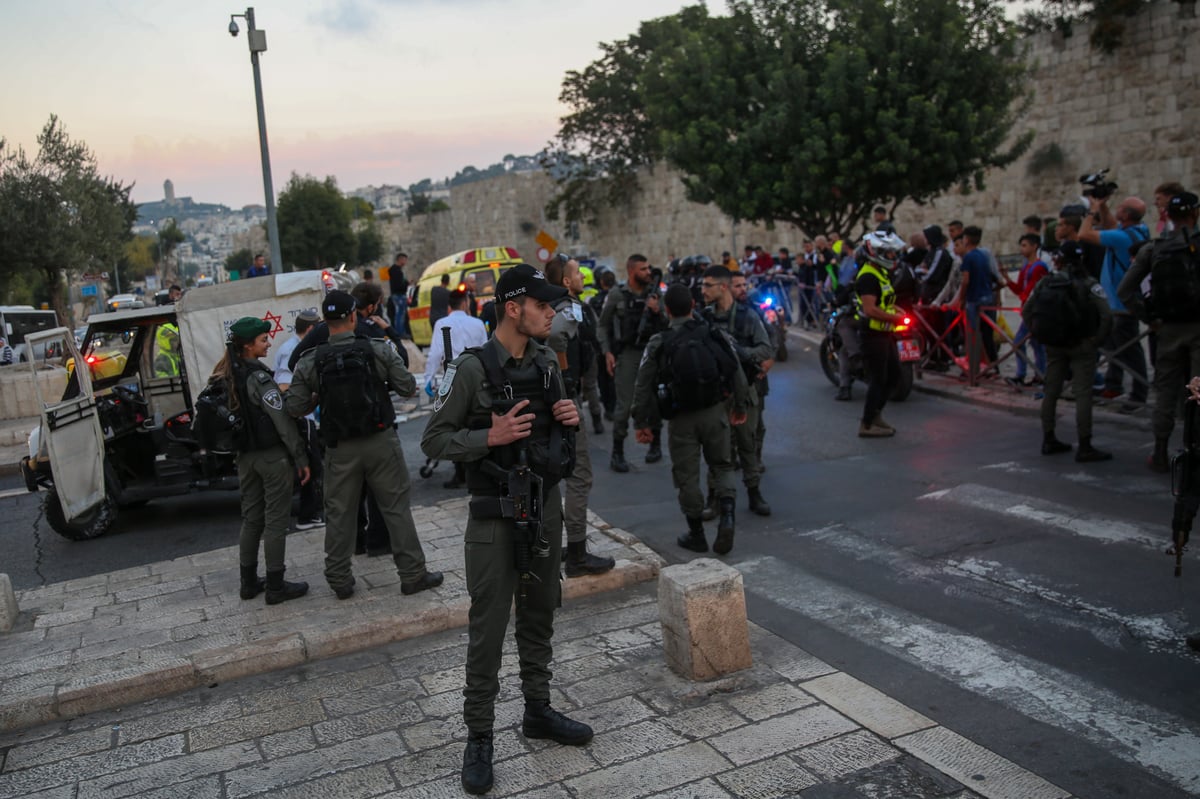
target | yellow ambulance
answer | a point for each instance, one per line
(486, 263)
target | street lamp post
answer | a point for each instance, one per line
(257, 39)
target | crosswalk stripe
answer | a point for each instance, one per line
(1128, 484)
(1052, 514)
(1137, 733)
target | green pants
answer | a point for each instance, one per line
(746, 444)
(377, 460)
(1082, 362)
(578, 485)
(690, 435)
(492, 583)
(624, 378)
(265, 480)
(1177, 362)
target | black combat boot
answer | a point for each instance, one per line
(711, 506)
(758, 505)
(1089, 454)
(252, 584)
(425, 581)
(581, 562)
(618, 462)
(724, 541)
(654, 454)
(477, 763)
(1159, 462)
(597, 424)
(843, 394)
(543, 721)
(280, 590)
(1052, 446)
(694, 538)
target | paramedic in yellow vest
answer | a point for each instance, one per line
(167, 357)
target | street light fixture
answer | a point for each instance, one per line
(257, 40)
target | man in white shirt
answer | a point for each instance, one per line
(465, 331)
(310, 492)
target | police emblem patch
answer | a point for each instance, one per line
(272, 399)
(444, 387)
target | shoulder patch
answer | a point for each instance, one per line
(445, 386)
(1098, 290)
(273, 400)
(262, 377)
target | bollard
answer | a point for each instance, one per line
(8, 604)
(702, 606)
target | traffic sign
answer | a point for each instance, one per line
(87, 291)
(543, 255)
(546, 241)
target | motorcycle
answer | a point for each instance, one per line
(769, 298)
(908, 343)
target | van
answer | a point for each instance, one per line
(18, 321)
(486, 263)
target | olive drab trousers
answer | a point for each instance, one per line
(1177, 362)
(578, 486)
(695, 433)
(378, 460)
(265, 480)
(1081, 360)
(624, 378)
(493, 582)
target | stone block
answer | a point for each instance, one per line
(702, 607)
(8, 605)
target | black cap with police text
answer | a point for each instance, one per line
(524, 281)
(1071, 252)
(249, 328)
(1182, 204)
(337, 305)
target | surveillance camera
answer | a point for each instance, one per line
(233, 28)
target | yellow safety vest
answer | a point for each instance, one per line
(887, 302)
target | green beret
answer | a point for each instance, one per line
(249, 328)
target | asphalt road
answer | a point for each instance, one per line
(1021, 601)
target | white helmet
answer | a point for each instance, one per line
(882, 248)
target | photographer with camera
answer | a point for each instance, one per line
(1117, 232)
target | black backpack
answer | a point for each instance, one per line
(1060, 313)
(354, 398)
(699, 365)
(216, 427)
(1175, 280)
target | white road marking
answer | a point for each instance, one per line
(14, 492)
(1137, 733)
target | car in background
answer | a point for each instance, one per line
(486, 263)
(124, 302)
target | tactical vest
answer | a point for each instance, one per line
(355, 400)
(629, 316)
(887, 302)
(259, 431)
(740, 325)
(581, 350)
(550, 448)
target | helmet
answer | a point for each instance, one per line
(701, 262)
(882, 248)
(588, 277)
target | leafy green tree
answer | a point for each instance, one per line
(1110, 17)
(58, 216)
(418, 204)
(314, 224)
(169, 239)
(239, 261)
(137, 261)
(802, 111)
(370, 245)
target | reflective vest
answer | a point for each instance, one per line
(887, 302)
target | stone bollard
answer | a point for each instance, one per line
(8, 604)
(702, 607)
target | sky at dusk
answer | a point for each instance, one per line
(370, 91)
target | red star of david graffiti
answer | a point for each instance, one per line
(277, 320)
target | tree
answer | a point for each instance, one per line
(239, 261)
(1109, 15)
(58, 215)
(370, 245)
(809, 112)
(169, 239)
(314, 224)
(137, 261)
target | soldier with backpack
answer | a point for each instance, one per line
(1173, 309)
(687, 375)
(1068, 313)
(350, 376)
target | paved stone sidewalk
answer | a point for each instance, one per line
(107, 640)
(387, 722)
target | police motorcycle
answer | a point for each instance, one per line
(906, 335)
(770, 297)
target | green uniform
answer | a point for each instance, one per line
(266, 475)
(458, 431)
(625, 337)
(1177, 357)
(376, 459)
(691, 433)
(753, 345)
(1080, 359)
(563, 331)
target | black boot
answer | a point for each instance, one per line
(1193, 642)
(724, 541)
(1089, 454)
(543, 721)
(710, 508)
(581, 562)
(597, 424)
(654, 454)
(758, 505)
(477, 763)
(694, 538)
(252, 584)
(1159, 462)
(424, 582)
(1052, 446)
(843, 394)
(618, 462)
(280, 590)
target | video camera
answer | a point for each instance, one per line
(1098, 185)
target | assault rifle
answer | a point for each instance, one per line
(522, 502)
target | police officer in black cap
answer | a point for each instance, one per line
(350, 377)
(503, 410)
